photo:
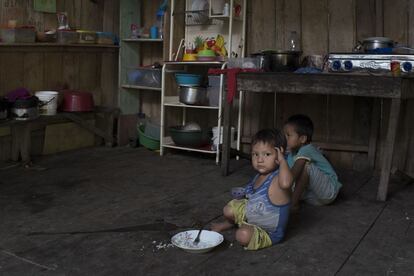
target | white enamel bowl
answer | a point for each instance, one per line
(208, 240)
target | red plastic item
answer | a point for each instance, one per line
(77, 101)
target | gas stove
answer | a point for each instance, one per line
(363, 62)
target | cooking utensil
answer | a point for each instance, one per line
(265, 60)
(193, 95)
(197, 239)
(284, 60)
(25, 109)
(379, 45)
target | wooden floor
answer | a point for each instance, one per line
(112, 212)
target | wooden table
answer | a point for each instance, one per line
(395, 89)
(21, 130)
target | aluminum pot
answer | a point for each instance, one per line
(265, 60)
(25, 109)
(193, 95)
(375, 45)
(284, 60)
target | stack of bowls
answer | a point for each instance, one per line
(190, 90)
(206, 55)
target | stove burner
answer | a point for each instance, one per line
(356, 62)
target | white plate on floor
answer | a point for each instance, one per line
(208, 240)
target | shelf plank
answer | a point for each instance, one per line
(194, 62)
(173, 101)
(51, 44)
(173, 146)
(143, 39)
(138, 87)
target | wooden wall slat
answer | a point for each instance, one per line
(33, 71)
(54, 68)
(261, 25)
(315, 27)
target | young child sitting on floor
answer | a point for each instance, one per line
(263, 215)
(315, 181)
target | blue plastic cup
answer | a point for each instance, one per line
(154, 32)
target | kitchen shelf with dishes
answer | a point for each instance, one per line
(210, 39)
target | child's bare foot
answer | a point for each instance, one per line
(222, 226)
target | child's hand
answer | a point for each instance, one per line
(280, 155)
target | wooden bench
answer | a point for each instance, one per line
(21, 130)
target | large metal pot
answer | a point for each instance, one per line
(25, 109)
(265, 60)
(193, 95)
(375, 45)
(284, 60)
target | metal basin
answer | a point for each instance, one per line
(284, 60)
(194, 95)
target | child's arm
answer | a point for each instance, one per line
(298, 167)
(285, 175)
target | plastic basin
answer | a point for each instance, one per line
(147, 142)
(188, 79)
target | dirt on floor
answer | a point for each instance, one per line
(113, 211)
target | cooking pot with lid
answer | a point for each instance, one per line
(378, 45)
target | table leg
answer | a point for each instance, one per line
(388, 149)
(226, 136)
(373, 135)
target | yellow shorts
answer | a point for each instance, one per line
(260, 238)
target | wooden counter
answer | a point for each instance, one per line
(382, 87)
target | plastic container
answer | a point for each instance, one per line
(48, 102)
(86, 37)
(77, 101)
(249, 62)
(106, 38)
(214, 81)
(215, 139)
(213, 95)
(188, 79)
(18, 35)
(67, 37)
(149, 77)
(146, 141)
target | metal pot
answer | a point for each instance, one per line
(284, 60)
(193, 95)
(25, 109)
(375, 45)
(265, 60)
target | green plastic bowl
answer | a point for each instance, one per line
(146, 141)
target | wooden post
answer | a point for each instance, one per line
(388, 149)
(227, 107)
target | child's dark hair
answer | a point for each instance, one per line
(271, 136)
(303, 125)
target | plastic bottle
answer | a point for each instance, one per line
(294, 41)
(226, 9)
(160, 23)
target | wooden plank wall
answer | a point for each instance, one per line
(44, 68)
(329, 26)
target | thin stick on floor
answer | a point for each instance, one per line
(27, 260)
